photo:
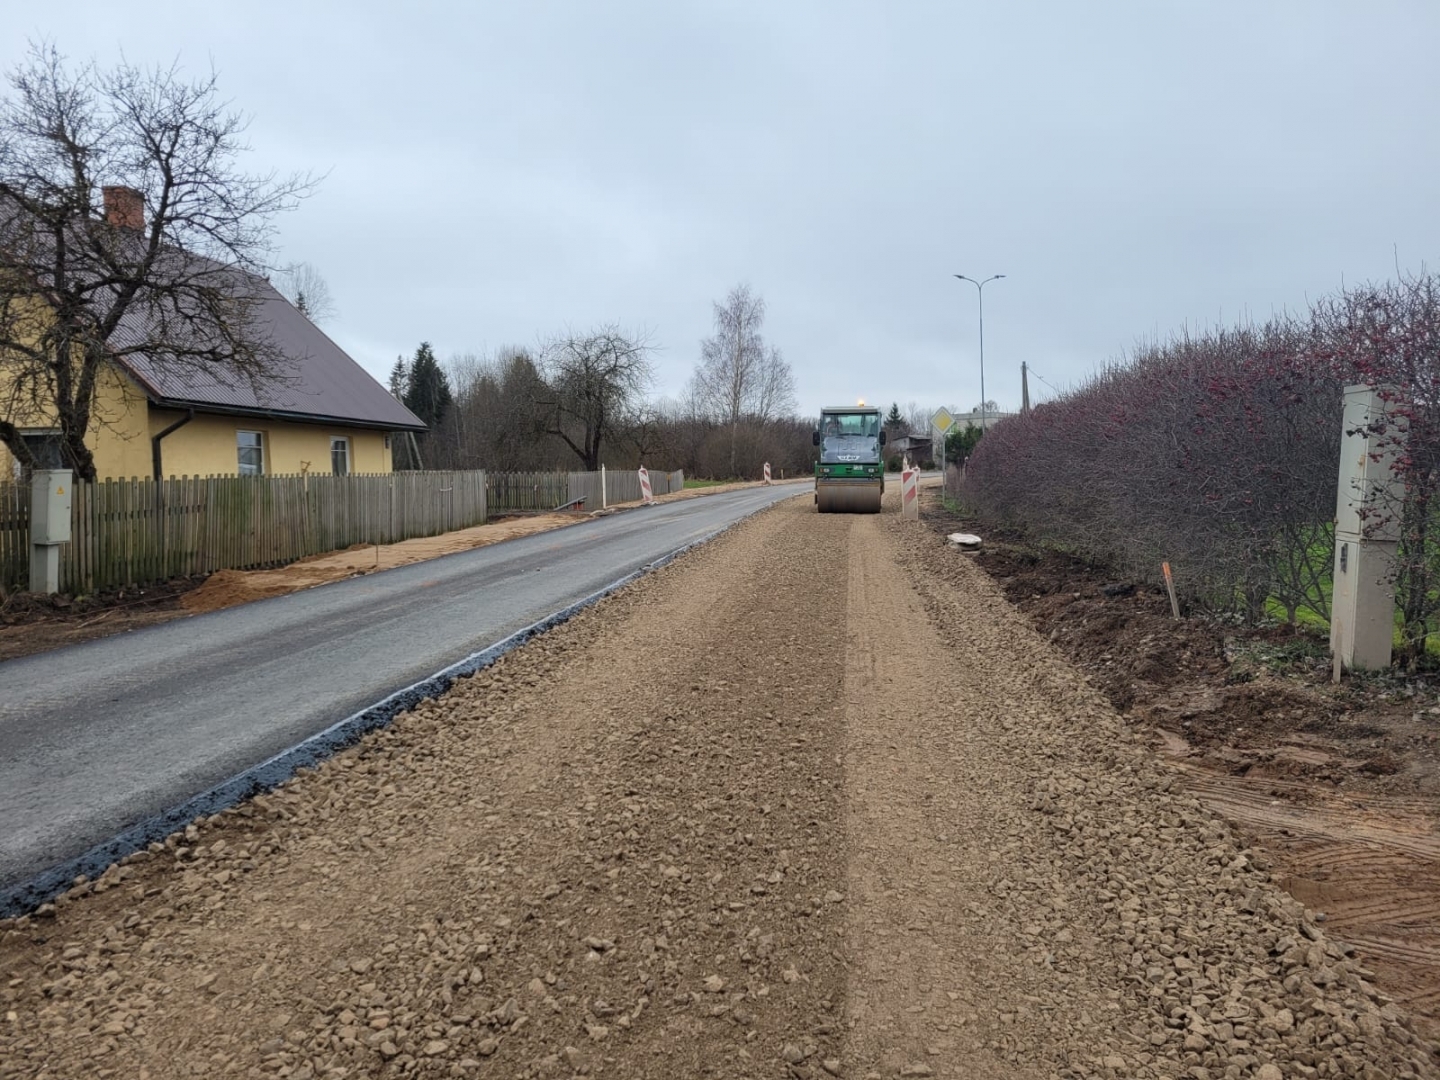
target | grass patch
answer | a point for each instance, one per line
(703, 483)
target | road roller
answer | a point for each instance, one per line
(850, 475)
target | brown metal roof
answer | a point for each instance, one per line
(321, 381)
(315, 379)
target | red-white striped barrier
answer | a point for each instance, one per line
(646, 495)
(767, 472)
(910, 494)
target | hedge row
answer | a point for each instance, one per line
(1218, 452)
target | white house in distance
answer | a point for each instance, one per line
(975, 419)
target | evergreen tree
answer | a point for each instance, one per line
(427, 394)
(960, 442)
(399, 379)
(895, 425)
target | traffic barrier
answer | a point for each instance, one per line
(767, 472)
(645, 494)
(910, 494)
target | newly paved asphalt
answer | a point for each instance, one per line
(97, 737)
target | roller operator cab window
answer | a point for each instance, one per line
(850, 437)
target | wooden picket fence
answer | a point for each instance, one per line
(14, 535)
(621, 485)
(526, 491)
(521, 492)
(131, 532)
(128, 532)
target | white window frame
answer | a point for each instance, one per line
(259, 445)
(344, 442)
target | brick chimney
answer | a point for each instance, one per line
(124, 207)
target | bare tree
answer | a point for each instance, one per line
(127, 229)
(597, 380)
(304, 287)
(917, 418)
(494, 422)
(739, 376)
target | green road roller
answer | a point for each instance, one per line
(850, 475)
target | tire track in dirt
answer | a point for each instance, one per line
(938, 986)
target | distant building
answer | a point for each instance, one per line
(918, 447)
(974, 419)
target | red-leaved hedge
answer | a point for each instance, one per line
(1219, 452)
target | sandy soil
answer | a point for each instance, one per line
(226, 588)
(813, 801)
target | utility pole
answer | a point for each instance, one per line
(1024, 389)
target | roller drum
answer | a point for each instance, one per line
(861, 497)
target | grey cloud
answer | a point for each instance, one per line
(500, 170)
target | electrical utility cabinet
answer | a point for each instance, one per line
(1367, 532)
(50, 503)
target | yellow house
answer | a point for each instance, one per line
(323, 413)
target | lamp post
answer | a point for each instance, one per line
(980, 291)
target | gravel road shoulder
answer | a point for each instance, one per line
(1157, 945)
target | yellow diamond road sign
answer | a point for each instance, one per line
(943, 421)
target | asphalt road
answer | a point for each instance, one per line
(99, 736)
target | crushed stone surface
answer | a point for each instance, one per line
(798, 805)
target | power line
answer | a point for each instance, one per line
(1042, 379)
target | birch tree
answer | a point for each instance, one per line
(740, 377)
(306, 288)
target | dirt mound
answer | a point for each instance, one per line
(226, 588)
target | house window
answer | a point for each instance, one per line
(339, 455)
(47, 448)
(250, 453)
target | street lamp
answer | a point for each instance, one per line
(980, 290)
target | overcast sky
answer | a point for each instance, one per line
(496, 171)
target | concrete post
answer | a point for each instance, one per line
(1367, 534)
(50, 502)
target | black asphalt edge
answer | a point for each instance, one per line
(24, 897)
